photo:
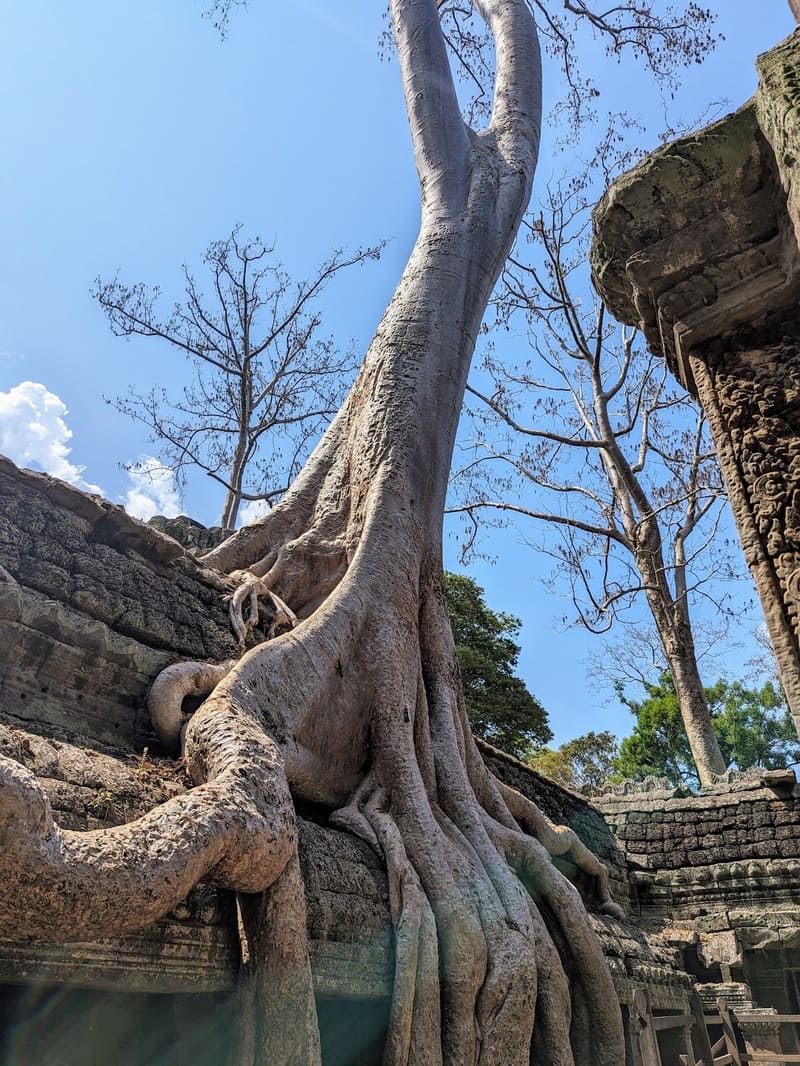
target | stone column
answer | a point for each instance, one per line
(762, 1035)
(750, 391)
(699, 246)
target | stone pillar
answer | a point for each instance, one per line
(762, 1035)
(750, 390)
(699, 246)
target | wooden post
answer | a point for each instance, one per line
(731, 1046)
(700, 1038)
(644, 1030)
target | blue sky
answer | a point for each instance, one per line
(133, 137)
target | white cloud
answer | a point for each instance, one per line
(152, 490)
(251, 510)
(33, 433)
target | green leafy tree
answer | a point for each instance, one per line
(753, 726)
(499, 705)
(586, 760)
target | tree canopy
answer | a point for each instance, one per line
(753, 726)
(589, 759)
(499, 705)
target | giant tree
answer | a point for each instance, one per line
(358, 707)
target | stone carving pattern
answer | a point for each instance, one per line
(758, 392)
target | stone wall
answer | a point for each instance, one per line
(737, 832)
(699, 247)
(89, 623)
(717, 877)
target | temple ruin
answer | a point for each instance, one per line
(98, 604)
(699, 247)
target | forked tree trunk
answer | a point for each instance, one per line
(359, 707)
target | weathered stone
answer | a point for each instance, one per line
(191, 534)
(74, 672)
(85, 635)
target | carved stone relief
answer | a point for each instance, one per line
(750, 389)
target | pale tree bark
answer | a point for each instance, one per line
(795, 6)
(359, 706)
(671, 616)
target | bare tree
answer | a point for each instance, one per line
(264, 381)
(589, 437)
(359, 707)
(635, 655)
(661, 42)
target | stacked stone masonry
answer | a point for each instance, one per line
(86, 632)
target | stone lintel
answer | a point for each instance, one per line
(701, 237)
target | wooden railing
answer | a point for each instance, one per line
(725, 1052)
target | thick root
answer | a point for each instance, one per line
(170, 689)
(415, 1020)
(561, 840)
(279, 1018)
(589, 970)
(237, 830)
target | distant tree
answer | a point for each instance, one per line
(499, 706)
(586, 760)
(753, 726)
(264, 380)
(588, 436)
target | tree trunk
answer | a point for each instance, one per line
(682, 663)
(677, 641)
(230, 508)
(233, 496)
(670, 612)
(359, 707)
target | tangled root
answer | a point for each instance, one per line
(251, 590)
(560, 840)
